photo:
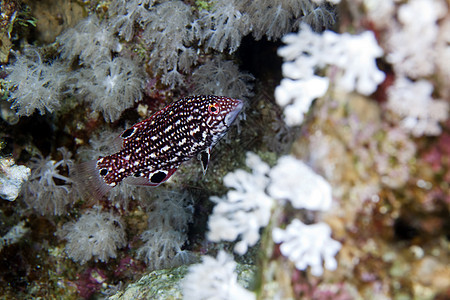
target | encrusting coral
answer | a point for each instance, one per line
(11, 178)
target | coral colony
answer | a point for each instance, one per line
(332, 181)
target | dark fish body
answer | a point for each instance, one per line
(152, 150)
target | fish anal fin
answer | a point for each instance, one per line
(155, 178)
(138, 181)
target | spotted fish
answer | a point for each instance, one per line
(152, 150)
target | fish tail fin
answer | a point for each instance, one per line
(89, 180)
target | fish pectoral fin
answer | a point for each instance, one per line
(203, 157)
(155, 178)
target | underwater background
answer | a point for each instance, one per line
(333, 182)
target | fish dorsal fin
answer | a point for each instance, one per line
(120, 141)
(203, 157)
(155, 178)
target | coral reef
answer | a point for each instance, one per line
(224, 28)
(43, 191)
(221, 77)
(333, 183)
(420, 114)
(245, 209)
(95, 235)
(168, 219)
(352, 56)
(306, 245)
(168, 32)
(214, 278)
(37, 85)
(90, 41)
(118, 80)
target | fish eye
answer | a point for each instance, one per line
(214, 108)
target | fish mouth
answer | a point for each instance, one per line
(231, 116)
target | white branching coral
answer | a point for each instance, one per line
(380, 12)
(353, 56)
(247, 206)
(300, 87)
(412, 101)
(308, 245)
(411, 56)
(296, 96)
(245, 209)
(302, 53)
(11, 178)
(96, 235)
(311, 192)
(214, 278)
